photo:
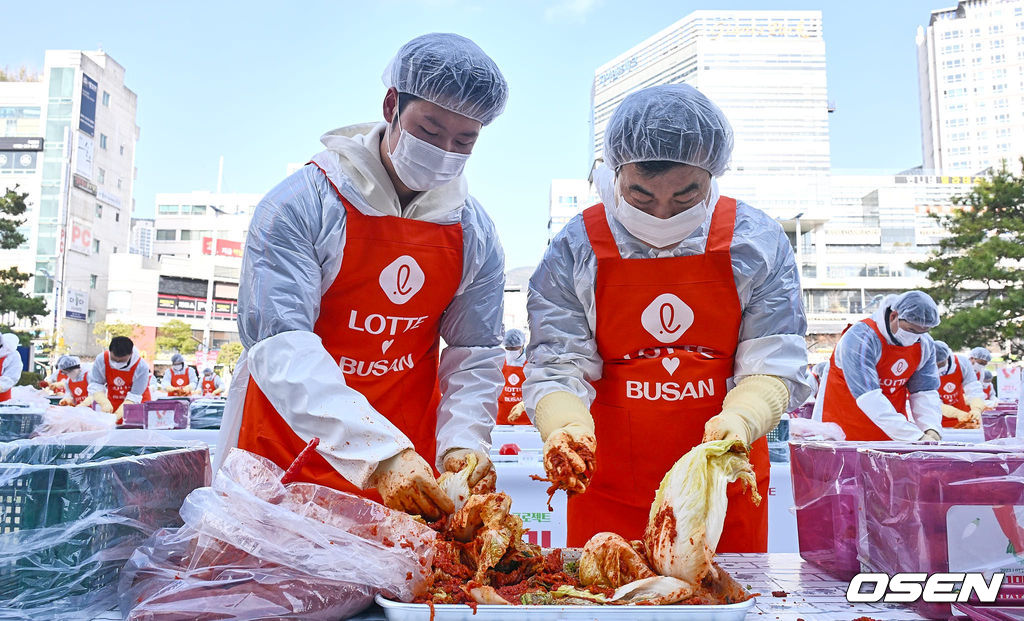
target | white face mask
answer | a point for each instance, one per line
(179, 367)
(514, 356)
(906, 337)
(420, 165)
(978, 366)
(660, 232)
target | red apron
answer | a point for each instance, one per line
(381, 320)
(988, 388)
(894, 368)
(6, 395)
(119, 382)
(511, 395)
(951, 390)
(79, 390)
(209, 386)
(666, 363)
(179, 381)
(56, 387)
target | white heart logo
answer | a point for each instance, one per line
(670, 364)
(949, 387)
(667, 318)
(513, 379)
(118, 382)
(385, 345)
(402, 279)
(900, 367)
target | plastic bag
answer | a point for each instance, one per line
(75, 507)
(807, 429)
(253, 548)
(28, 395)
(62, 419)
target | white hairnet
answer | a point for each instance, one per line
(177, 359)
(10, 341)
(988, 376)
(452, 72)
(68, 362)
(942, 352)
(207, 371)
(671, 122)
(514, 338)
(918, 308)
(980, 353)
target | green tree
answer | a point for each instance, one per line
(176, 335)
(977, 274)
(13, 298)
(229, 354)
(105, 331)
(22, 74)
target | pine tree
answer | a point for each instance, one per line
(13, 298)
(977, 274)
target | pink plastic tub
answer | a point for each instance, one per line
(158, 414)
(1000, 422)
(930, 511)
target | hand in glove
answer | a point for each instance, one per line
(749, 411)
(570, 445)
(930, 436)
(518, 411)
(948, 411)
(66, 401)
(406, 483)
(977, 407)
(483, 478)
(104, 403)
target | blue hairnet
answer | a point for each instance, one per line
(671, 122)
(988, 376)
(207, 370)
(177, 358)
(980, 353)
(452, 72)
(918, 308)
(942, 353)
(514, 338)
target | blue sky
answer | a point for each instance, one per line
(259, 82)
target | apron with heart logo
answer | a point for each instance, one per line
(381, 320)
(667, 331)
(511, 394)
(951, 391)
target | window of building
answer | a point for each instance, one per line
(998, 87)
(119, 182)
(995, 29)
(186, 235)
(92, 316)
(165, 235)
(198, 209)
(92, 281)
(101, 175)
(96, 246)
(122, 149)
(998, 58)
(99, 210)
(103, 141)
(167, 209)
(117, 216)
(106, 99)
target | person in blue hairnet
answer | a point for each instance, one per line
(355, 268)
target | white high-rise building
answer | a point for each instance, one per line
(143, 232)
(766, 71)
(80, 185)
(970, 62)
(568, 198)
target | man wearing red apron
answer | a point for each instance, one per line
(211, 385)
(879, 367)
(654, 307)
(980, 358)
(11, 365)
(512, 393)
(180, 380)
(355, 268)
(119, 376)
(962, 398)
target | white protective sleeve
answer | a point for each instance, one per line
(926, 406)
(972, 387)
(882, 413)
(307, 388)
(11, 373)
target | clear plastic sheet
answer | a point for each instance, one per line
(27, 395)
(206, 413)
(74, 507)
(1000, 422)
(253, 548)
(64, 419)
(937, 511)
(806, 429)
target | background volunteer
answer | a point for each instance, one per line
(11, 365)
(672, 123)
(211, 384)
(76, 381)
(179, 379)
(878, 365)
(962, 396)
(119, 376)
(299, 235)
(512, 394)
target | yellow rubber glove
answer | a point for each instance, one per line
(455, 460)
(949, 411)
(104, 403)
(929, 436)
(406, 483)
(570, 446)
(66, 401)
(518, 410)
(87, 402)
(750, 410)
(977, 407)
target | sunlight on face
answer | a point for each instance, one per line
(666, 194)
(431, 123)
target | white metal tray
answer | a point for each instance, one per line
(398, 611)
